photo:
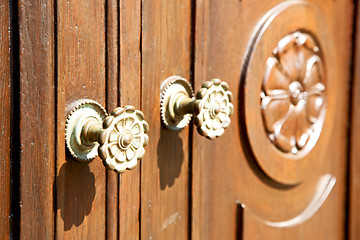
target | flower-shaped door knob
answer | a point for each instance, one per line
(119, 138)
(212, 106)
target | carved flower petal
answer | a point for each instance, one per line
(207, 104)
(314, 73)
(302, 55)
(113, 137)
(219, 95)
(136, 142)
(206, 115)
(113, 150)
(222, 117)
(136, 129)
(291, 62)
(209, 123)
(120, 156)
(119, 126)
(223, 104)
(313, 107)
(132, 164)
(129, 121)
(216, 123)
(130, 153)
(302, 125)
(275, 79)
(212, 96)
(275, 111)
(120, 168)
(141, 153)
(284, 132)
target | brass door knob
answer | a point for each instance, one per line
(212, 106)
(119, 138)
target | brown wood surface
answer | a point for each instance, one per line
(112, 80)
(354, 164)
(224, 172)
(5, 119)
(118, 52)
(123, 84)
(166, 51)
(80, 187)
(37, 119)
(130, 94)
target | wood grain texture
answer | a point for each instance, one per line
(81, 187)
(224, 170)
(130, 94)
(112, 80)
(354, 164)
(123, 83)
(5, 119)
(166, 51)
(37, 119)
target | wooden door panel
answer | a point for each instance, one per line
(247, 184)
(166, 51)
(5, 119)
(130, 94)
(80, 187)
(37, 119)
(112, 81)
(228, 171)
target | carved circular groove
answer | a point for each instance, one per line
(284, 91)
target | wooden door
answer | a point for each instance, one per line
(281, 170)
(249, 184)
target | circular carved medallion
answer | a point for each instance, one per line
(284, 92)
(292, 96)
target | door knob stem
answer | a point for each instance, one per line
(184, 105)
(90, 131)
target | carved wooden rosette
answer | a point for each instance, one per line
(292, 97)
(284, 88)
(123, 139)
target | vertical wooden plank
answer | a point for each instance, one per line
(112, 87)
(166, 51)
(123, 83)
(81, 187)
(5, 119)
(130, 87)
(354, 163)
(37, 118)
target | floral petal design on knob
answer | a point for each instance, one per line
(214, 109)
(123, 139)
(293, 93)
